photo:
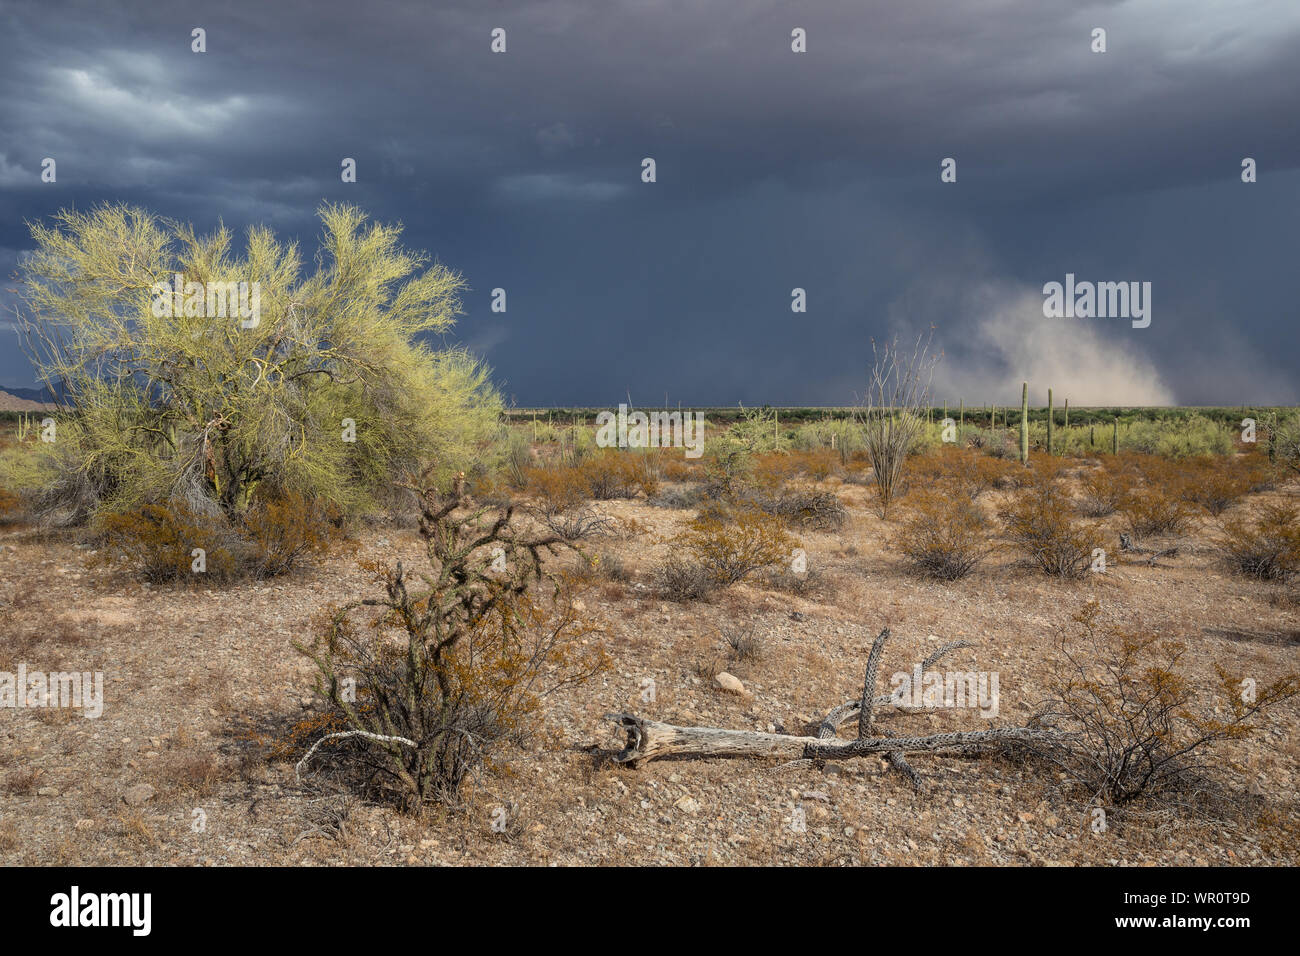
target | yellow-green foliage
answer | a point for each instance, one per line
(1193, 435)
(199, 408)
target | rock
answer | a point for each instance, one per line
(687, 805)
(730, 683)
(48, 792)
(138, 795)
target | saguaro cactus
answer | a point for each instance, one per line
(1024, 423)
(1050, 416)
(1114, 437)
(961, 421)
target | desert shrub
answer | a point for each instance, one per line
(677, 468)
(1135, 725)
(682, 580)
(330, 389)
(944, 538)
(557, 489)
(962, 471)
(1150, 509)
(516, 456)
(1266, 547)
(1104, 490)
(11, 506)
(1217, 484)
(744, 641)
(839, 436)
(802, 584)
(1040, 523)
(1189, 436)
(1041, 470)
(732, 453)
(615, 474)
(578, 524)
(729, 551)
(450, 677)
(611, 567)
(820, 510)
(159, 540)
(487, 490)
(687, 496)
(282, 527)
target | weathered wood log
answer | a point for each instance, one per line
(650, 739)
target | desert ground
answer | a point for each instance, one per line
(192, 761)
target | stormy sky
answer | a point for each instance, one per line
(775, 170)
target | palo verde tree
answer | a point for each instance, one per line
(313, 382)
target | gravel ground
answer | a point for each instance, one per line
(170, 772)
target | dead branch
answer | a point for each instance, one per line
(651, 739)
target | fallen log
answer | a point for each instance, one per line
(648, 739)
(651, 739)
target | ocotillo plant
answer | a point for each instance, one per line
(1049, 421)
(1024, 423)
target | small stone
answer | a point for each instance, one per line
(138, 795)
(730, 683)
(48, 792)
(687, 805)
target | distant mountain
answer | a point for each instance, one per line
(41, 394)
(25, 400)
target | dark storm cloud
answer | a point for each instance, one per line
(776, 170)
